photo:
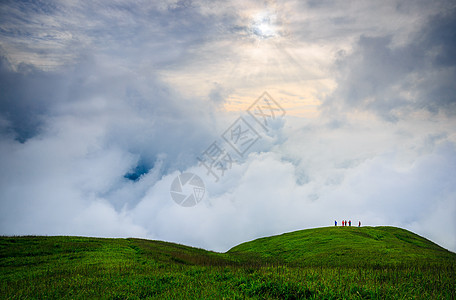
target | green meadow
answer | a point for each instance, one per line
(321, 263)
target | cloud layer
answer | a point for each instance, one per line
(103, 104)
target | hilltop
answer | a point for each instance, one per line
(341, 246)
(367, 262)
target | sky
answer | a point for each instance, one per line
(104, 104)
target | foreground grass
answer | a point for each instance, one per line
(81, 268)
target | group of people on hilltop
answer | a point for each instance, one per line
(344, 223)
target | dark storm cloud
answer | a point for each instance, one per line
(26, 96)
(143, 38)
(155, 119)
(394, 80)
(160, 34)
(71, 36)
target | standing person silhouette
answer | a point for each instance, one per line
(350, 223)
(359, 224)
(335, 223)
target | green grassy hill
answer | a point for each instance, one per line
(342, 246)
(351, 263)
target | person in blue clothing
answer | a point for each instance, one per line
(349, 222)
(335, 223)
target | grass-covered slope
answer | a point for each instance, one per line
(323, 263)
(43, 251)
(65, 267)
(341, 246)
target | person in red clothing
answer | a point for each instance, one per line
(359, 224)
(350, 223)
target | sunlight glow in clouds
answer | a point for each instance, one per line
(263, 25)
(103, 104)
